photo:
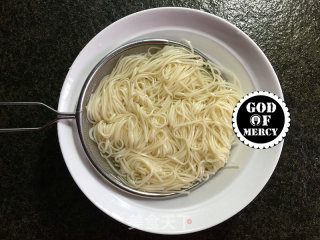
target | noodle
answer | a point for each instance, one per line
(162, 119)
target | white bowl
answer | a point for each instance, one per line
(232, 188)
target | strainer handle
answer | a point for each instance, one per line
(59, 116)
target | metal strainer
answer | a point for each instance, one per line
(103, 68)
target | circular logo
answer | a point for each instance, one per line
(261, 119)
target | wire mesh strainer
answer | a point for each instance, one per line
(103, 68)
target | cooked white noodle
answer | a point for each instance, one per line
(162, 119)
